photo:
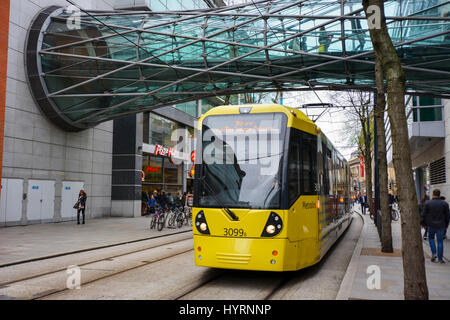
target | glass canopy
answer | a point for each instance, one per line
(116, 63)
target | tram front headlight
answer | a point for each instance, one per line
(270, 229)
(273, 225)
(200, 223)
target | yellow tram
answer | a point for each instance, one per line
(270, 192)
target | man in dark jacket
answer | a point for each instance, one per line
(436, 216)
(363, 202)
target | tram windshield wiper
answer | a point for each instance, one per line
(220, 203)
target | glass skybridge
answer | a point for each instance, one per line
(89, 68)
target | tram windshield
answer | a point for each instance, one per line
(241, 160)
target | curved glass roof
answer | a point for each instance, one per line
(121, 62)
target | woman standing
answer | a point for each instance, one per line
(82, 196)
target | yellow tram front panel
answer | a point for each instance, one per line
(239, 244)
(245, 253)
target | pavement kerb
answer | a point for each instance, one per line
(55, 255)
(346, 286)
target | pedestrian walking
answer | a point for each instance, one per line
(363, 202)
(436, 216)
(82, 196)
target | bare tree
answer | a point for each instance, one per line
(361, 105)
(360, 130)
(415, 284)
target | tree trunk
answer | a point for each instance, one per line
(368, 168)
(386, 232)
(367, 154)
(415, 285)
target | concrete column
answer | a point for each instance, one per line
(126, 166)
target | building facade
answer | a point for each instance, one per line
(357, 173)
(44, 167)
(429, 136)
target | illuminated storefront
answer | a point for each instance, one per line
(163, 168)
(161, 173)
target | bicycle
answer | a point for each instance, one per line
(158, 219)
(394, 213)
(176, 215)
(188, 216)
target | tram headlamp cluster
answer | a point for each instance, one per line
(200, 223)
(273, 225)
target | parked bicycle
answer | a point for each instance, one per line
(395, 215)
(158, 219)
(176, 216)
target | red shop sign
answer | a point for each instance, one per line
(161, 151)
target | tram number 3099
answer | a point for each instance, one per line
(234, 232)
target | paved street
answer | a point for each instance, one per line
(367, 253)
(23, 243)
(120, 258)
(163, 268)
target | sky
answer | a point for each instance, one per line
(333, 122)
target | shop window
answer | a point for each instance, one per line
(152, 167)
(171, 172)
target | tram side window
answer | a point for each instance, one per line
(325, 163)
(309, 174)
(294, 178)
(331, 169)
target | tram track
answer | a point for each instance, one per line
(96, 268)
(48, 294)
(67, 253)
(301, 284)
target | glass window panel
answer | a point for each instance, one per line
(429, 101)
(160, 130)
(152, 167)
(430, 114)
(171, 172)
(294, 171)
